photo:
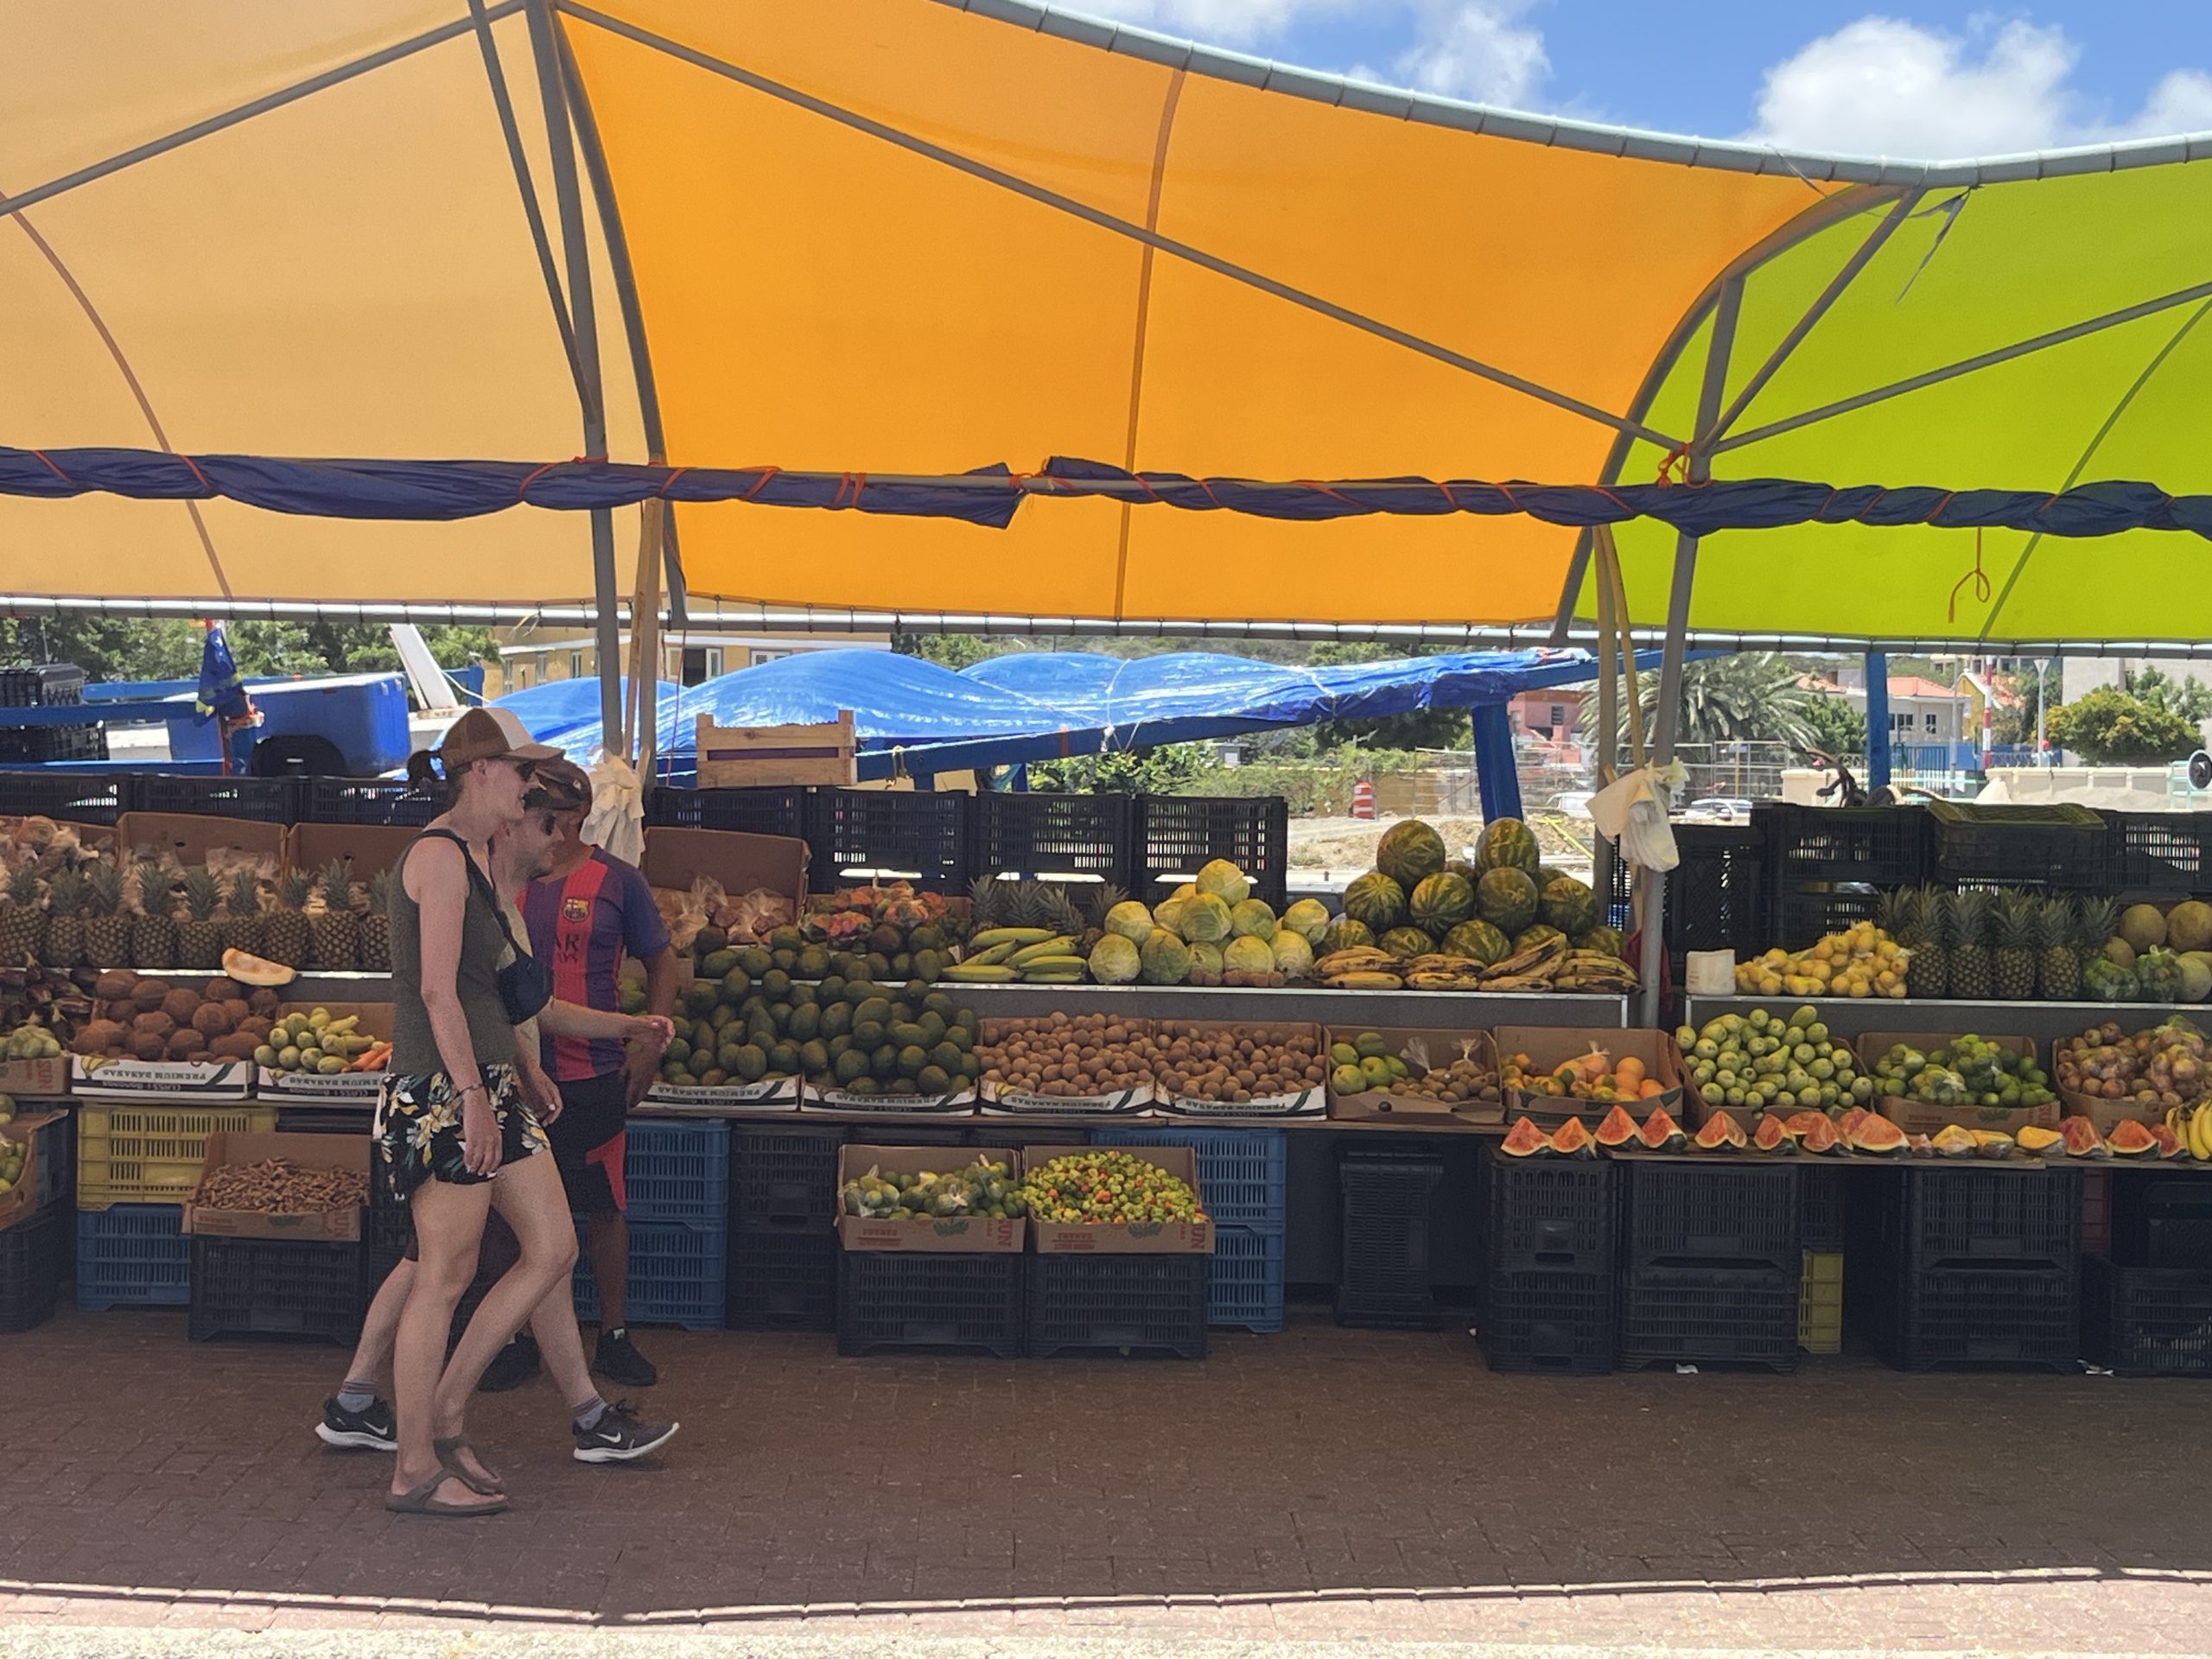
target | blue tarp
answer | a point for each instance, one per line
(555, 710)
(468, 489)
(915, 715)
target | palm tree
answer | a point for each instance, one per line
(1753, 696)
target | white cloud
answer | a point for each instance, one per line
(1232, 22)
(1885, 87)
(1479, 49)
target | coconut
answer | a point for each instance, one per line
(2189, 926)
(1226, 881)
(1131, 920)
(181, 1005)
(2195, 970)
(116, 985)
(187, 1044)
(150, 993)
(2142, 926)
(2121, 951)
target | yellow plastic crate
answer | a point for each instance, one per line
(152, 1154)
(1820, 1303)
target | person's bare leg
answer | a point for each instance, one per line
(371, 1360)
(561, 1345)
(449, 1225)
(528, 1196)
(609, 1236)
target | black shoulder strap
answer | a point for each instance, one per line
(482, 884)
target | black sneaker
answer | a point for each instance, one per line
(511, 1367)
(369, 1430)
(617, 1361)
(620, 1437)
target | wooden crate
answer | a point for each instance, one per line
(740, 757)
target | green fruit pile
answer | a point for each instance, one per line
(786, 951)
(982, 1189)
(1365, 1064)
(31, 1042)
(1763, 1059)
(1362, 1063)
(12, 1154)
(1971, 1071)
(1108, 1187)
(849, 1034)
(313, 1042)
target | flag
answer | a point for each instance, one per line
(221, 691)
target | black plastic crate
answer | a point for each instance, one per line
(1807, 914)
(1383, 1277)
(1552, 1213)
(1992, 1315)
(2161, 1222)
(1930, 1217)
(2059, 845)
(277, 1287)
(53, 745)
(1711, 1316)
(2147, 1321)
(367, 800)
(1881, 846)
(1821, 1209)
(1053, 835)
(783, 1280)
(74, 796)
(2166, 853)
(913, 834)
(777, 811)
(42, 685)
(34, 1255)
(1542, 1319)
(1118, 1304)
(1175, 836)
(1684, 1215)
(889, 1301)
(1717, 896)
(783, 1179)
(266, 800)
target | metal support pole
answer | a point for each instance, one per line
(1668, 721)
(1877, 719)
(607, 593)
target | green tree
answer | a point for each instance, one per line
(1838, 728)
(1422, 728)
(149, 648)
(953, 651)
(2108, 726)
(1163, 770)
(2189, 698)
(1752, 697)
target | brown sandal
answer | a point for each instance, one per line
(423, 1500)
(486, 1484)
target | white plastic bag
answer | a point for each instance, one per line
(617, 820)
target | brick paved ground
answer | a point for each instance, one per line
(1322, 1485)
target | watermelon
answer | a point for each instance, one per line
(1345, 934)
(1607, 939)
(1441, 902)
(1507, 845)
(1462, 867)
(1478, 942)
(1528, 937)
(1409, 853)
(1569, 905)
(1506, 898)
(1546, 875)
(1377, 900)
(1406, 943)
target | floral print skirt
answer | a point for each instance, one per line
(418, 1134)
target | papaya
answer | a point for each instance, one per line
(1819, 1137)
(2082, 1140)
(2036, 1140)
(1524, 1140)
(1877, 1137)
(1773, 1136)
(2170, 1144)
(1572, 1139)
(1717, 1136)
(2132, 1140)
(1952, 1142)
(1617, 1130)
(1661, 1133)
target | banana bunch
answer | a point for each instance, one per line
(1594, 971)
(1533, 970)
(1363, 968)
(1443, 974)
(1019, 956)
(2193, 1124)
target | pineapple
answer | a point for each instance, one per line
(1929, 972)
(107, 925)
(22, 924)
(2099, 920)
(987, 903)
(200, 936)
(2061, 969)
(2020, 945)
(285, 932)
(242, 924)
(1056, 911)
(152, 926)
(337, 930)
(1972, 970)
(65, 927)
(376, 926)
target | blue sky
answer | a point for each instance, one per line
(1927, 78)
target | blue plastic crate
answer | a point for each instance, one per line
(1240, 1171)
(133, 1256)
(679, 1274)
(1247, 1285)
(677, 1170)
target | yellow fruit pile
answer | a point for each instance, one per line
(1861, 961)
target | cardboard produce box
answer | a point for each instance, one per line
(192, 837)
(1006, 1100)
(2108, 1115)
(676, 858)
(965, 1234)
(344, 1151)
(32, 1080)
(1415, 1111)
(160, 1082)
(375, 1020)
(1094, 1238)
(1550, 1046)
(367, 848)
(1311, 1100)
(779, 1094)
(1919, 1117)
(21, 1198)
